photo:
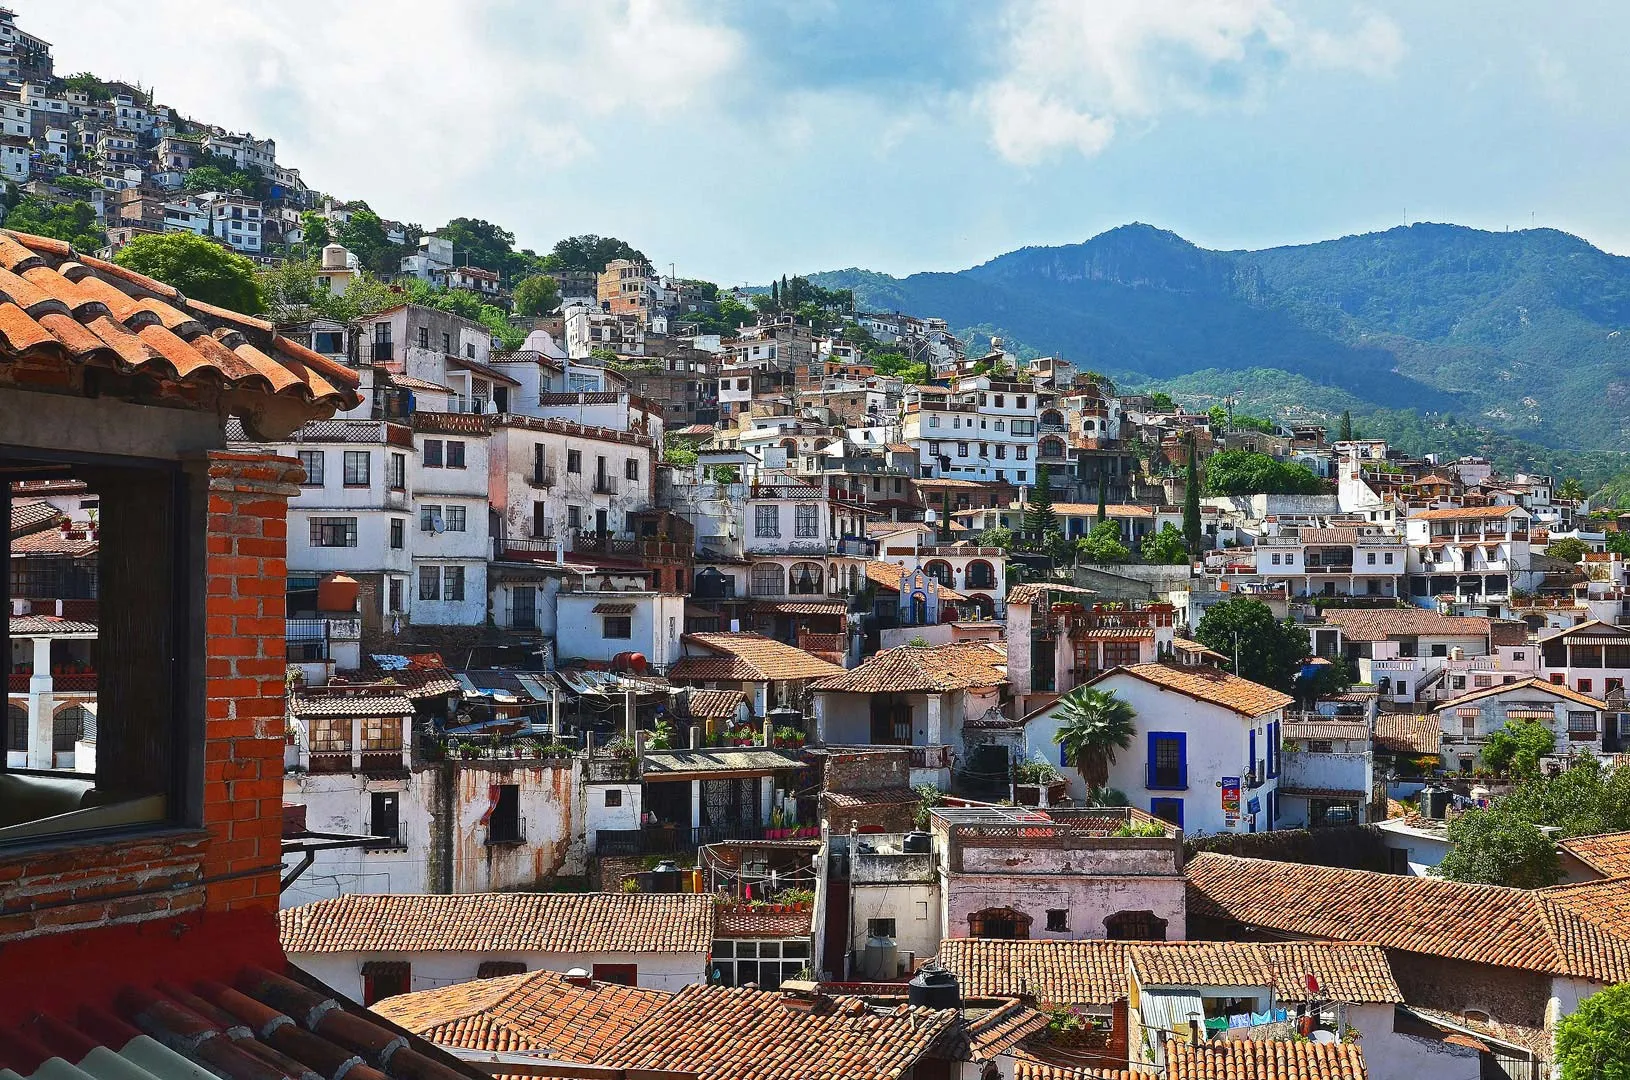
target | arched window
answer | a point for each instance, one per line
(1052, 448)
(981, 575)
(1052, 416)
(768, 579)
(983, 604)
(939, 570)
(854, 578)
(806, 579)
(1135, 926)
(67, 728)
(16, 728)
(999, 922)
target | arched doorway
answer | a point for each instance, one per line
(806, 579)
(981, 575)
(983, 604)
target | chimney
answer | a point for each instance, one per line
(629, 717)
(696, 736)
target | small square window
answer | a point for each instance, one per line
(1058, 920)
(879, 927)
(614, 797)
(618, 627)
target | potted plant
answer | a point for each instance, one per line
(1038, 782)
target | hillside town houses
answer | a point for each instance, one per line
(642, 701)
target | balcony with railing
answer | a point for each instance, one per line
(666, 839)
(506, 833)
(542, 478)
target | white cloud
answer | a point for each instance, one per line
(1073, 72)
(407, 102)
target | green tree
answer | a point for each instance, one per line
(1571, 489)
(1270, 652)
(1166, 547)
(1103, 544)
(1103, 493)
(1246, 472)
(890, 362)
(1569, 548)
(314, 231)
(73, 222)
(1495, 847)
(1517, 747)
(536, 295)
(679, 453)
(1593, 1042)
(1191, 500)
(1162, 401)
(199, 268)
(1039, 518)
(1345, 431)
(364, 235)
(1619, 543)
(996, 537)
(1094, 725)
(590, 252)
(603, 356)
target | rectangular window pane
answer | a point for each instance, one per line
(429, 583)
(312, 462)
(432, 453)
(334, 532)
(453, 582)
(455, 454)
(356, 468)
(455, 519)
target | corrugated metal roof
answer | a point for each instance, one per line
(1170, 1010)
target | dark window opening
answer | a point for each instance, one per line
(621, 974)
(384, 819)
(504, 819)
(496, 969)
(1135, 926)
(880, 928)
(1058, 921)
(614, 797)
(385, 978)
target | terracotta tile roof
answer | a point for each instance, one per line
(60, 305)
(1379, 624)
(849, 800)
(891, 576)
(27, 515)
(764, 658)
(1194, 648)
(912, 669)
(352, 705)
(1207, 684)
(1054, 972)
(1003, 1027)
(76, 545)
(408, 382)
(1465, 513)
(539, 1011)
(501, 922)
(1326, 729)
(802, 607)
(1553, 931)
(1592, 628)
(1113, 510)
(1030, 592)
(1028, 1068)
(1507, 632)
(1267, 1059)
(1407, 733)
(1606, 853)
(713, 704)
(1528, 685)
(24, 625)
(730, 1033)
(1347, 971)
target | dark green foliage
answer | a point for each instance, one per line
(1570, 548)
(1162, 400)
(1245, 472)
(314, 231)
(481, 243)
(1103, 544)
(536, 295)
(74, 222)
(1166, 546)
(1094, 725)
(364, 236)
(1270, 652)
(590, 252)
(1494, 847)
(996, 537)
(1593, 1042)
(1191, 501)
(199, 268)
(1518, 746)
(1039, 518)
(1345, 431)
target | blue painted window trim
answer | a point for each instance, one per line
(1177, 803)
(1182, 740)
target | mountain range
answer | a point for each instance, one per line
(1519, 333)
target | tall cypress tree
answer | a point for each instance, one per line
(1039, 519)
(1191, 501)
(1103, 492)
(1346, 430)
(775, 294)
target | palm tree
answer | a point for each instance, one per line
(1095, 724)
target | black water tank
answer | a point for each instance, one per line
(665, 877)
(917, 843)
(934, 988)
(1435, 802)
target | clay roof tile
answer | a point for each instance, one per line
(22, 333)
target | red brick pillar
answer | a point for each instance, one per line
(245, 659)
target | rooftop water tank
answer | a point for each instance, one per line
(935, 988)
(917, 843)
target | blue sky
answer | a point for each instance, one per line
(747, 138)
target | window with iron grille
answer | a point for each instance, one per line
(574, 461)
(632, 470)
(808, 521)
(424, 337)
(312, 462)
(397, 539)
(453, 583)
(1582, 723)
(766, 521)
(429, 515)
(455, 518)
(334, 532)
(620, 627)
(768, 579)
(429, 583)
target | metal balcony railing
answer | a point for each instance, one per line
(542, 478)
(605, 485)
(499, 834)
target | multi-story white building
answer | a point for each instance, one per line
(985, 431)
(451, 546)
(1476, 554)
(1333, 560)
(235, 219)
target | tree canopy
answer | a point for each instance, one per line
(1569, 548)
(1593, 1042)
(1495, 847)
(201, 269)
(74, 222)
(1518, 747)
(1166, 546)
(1093, 725)
(536, 295)
(1039, 518)
(590, 252)
(1270, 651)
(1246, 472)
(1102, 544)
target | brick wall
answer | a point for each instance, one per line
(233, 860)
(876, 770)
